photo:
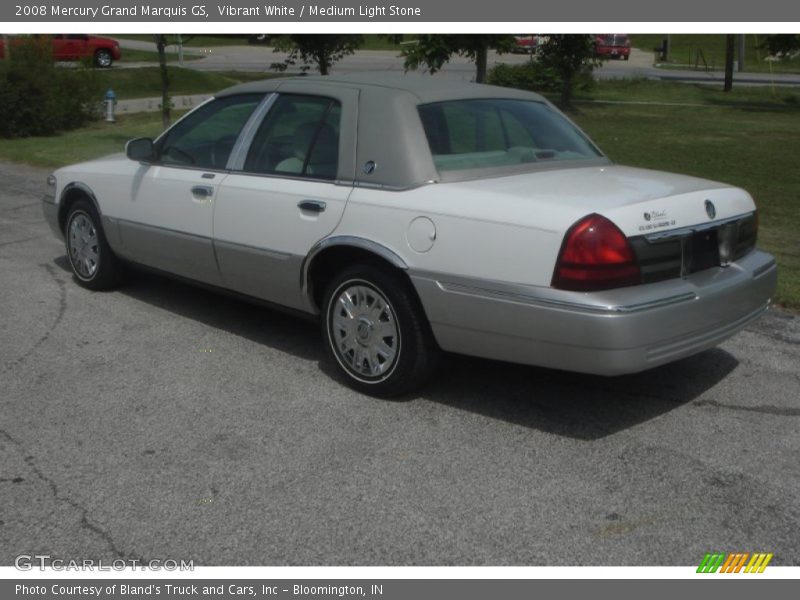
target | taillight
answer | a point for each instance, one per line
(595, 255)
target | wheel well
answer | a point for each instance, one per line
(68, 198)
(330, 261)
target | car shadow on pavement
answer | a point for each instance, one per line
(575, 405)
(559, 402)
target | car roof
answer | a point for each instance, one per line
(424, 87)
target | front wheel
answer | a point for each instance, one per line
(103, 58)
(376, 332)
(93, 263)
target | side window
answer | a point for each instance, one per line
(205, 138)
(299, 136)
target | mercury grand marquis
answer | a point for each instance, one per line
(412, 215)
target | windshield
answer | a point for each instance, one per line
(491, 133)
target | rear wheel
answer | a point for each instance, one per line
(103, 58)
(93, 263)
(376, 333)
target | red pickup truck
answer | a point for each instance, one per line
(76, 46)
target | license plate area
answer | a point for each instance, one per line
(679, 253)
(701, 251)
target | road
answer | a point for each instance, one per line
(161, 421)
(259, 58)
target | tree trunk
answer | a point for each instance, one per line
(322, 63)
(566, 89)
(730, 43)
(161, 45)
(481, 58)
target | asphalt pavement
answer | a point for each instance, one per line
(258, 58)
(162, 421)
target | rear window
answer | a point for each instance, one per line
(484, 134)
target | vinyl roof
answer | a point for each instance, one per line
(425, 87)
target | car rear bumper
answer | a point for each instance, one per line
(613, 51)
(607, 333)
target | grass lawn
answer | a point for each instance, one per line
(145, 82)
(684, 50)
(749, 138)
(95, 140)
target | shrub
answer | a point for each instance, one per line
(527, 76)
(41, 98)
(534, 77)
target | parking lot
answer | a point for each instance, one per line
(161, 421)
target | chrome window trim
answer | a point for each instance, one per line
(245, 139)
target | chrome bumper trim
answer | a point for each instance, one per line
(587, 308)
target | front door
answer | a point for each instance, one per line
(167, 221)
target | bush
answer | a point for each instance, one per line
(40, 98)
(528, 76)
(534, 77)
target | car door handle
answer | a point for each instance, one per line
(316, 206)
(203, 191)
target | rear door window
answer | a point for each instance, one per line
(298, 137)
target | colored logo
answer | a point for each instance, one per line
(734, 562)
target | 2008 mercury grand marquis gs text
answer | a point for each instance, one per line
(414, 215)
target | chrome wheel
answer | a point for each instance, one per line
(84, 250)
(363, 331)
(103, 59)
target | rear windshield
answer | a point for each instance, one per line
(467, 135)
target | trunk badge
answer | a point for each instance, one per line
(711, 210)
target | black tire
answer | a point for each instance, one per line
(106, 271)
(416, 351)
(103, 58)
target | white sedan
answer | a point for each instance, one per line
(413, 215)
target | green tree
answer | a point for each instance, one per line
(319, 50)
(434, 50)
(782, 44)
(568, 55)
(162, 41)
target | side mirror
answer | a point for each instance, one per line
(140, 149)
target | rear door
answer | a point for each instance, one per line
(288, 192)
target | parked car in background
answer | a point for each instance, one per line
(77, 46)
(526, 43)
(490, 225)
(612, 45)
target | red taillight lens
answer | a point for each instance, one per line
(595, 255)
